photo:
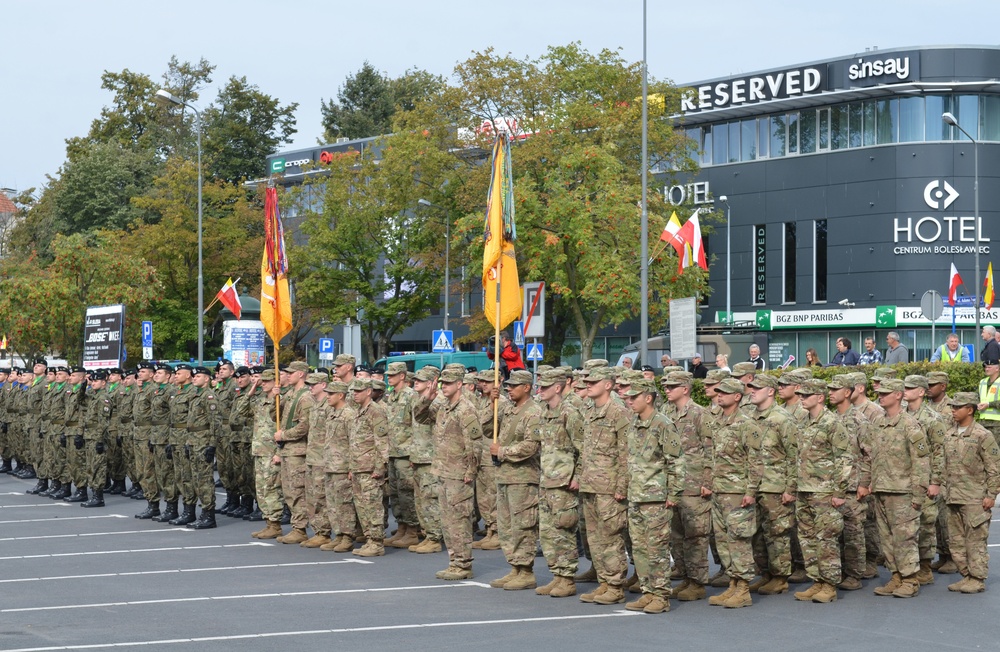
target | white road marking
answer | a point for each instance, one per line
(96, 534)
(36, 505)
(321, 632)
(249, 596)
(121, 552)
(184, 570)
(57, 519)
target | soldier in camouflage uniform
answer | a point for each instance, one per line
(5, 449)
(55, 435)
(316, 508)
(972, 481)
(398, 404)
(872, 412)
(267, 469)
(75, 402)
(97, 416)
(203, 426)
(340, 414)
(425, 482)
(517, 446)
(900, 475)
(934, 427)
(735, 447)
(292, 441)
(778, 481)
(654, 466)
(369, 461)
(20, 437)
(937, 400)
(176, 450)
(241, 429)
(152, 402)
(224, 389)
(486, 478)
(824, 467)
(135, 444)
(115, 441)
(604, 485)
(142, 421)
(33, 422)
(855, 508)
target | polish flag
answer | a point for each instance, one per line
(956, 280)
(229, 298)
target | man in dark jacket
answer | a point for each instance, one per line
(845, 356)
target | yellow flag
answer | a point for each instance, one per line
(275, 301)
(988, 292)
(502, 290)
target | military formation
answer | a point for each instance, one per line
(782, 480)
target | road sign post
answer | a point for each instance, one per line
(932, 307)
(147, 340)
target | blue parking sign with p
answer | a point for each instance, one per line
(147, 333)
(326, 345)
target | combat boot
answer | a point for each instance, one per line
(850, 584)
(740, 597)
(400, 531)
(139, 494)
(97, 500)
(79, 497)
(316, 541)
(807, 595)
(128, 493)
(372, 548)
(563, 587)
(908, 588)
(40, 486)
(948, 567)
(286, 515)
(871, 570)
(925, 575)
(719, 580)
(205, 522)
(427, 546)
(890, 587)
(244, 508)
(453, 573)
(827, 593)
(657, 605)
(973, 585)
(587, 576)
(765, 578)
(590, 597)
(640, 604)
(939, 562)
(226, 506)
(5, 467)
(409, 538)
(64, 492)
(256, 515)
(777, 586)
(956, 587)
(677, 573)
(297, 535)
(29, 473)
(719, 600)
(611, 595)
(492, 540)
(693, 591)
(271, 531)
(169, 514)
(54, 487)
(187, 517)
(346, 543)
(501, 582)
(117, 487)
(798, 576)
(152, 510)
(632, 584)
(545, 589)
(525, 579)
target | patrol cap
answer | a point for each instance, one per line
(344, 358)
(316, 378)
(618, 369)
(455, 366)
(201, 370)
(729, 386)
(410, 376)
(595, 363)
(542, 368)
(884, 372)
(520, 377)
(267, 374)
(598, 374)
(858, 378)
(812, 387)
(427, 373)
(890, 385)
(567, 370)
(580, 384)
(716, 376)
(672, 367)
(914, 381)
(395, 368)
(336, 387)
(360, 384)
(763, 380)
(452, 376)
(298, 365)
(551, 377)
(485, 376)
(641, 387)
(743, 368)
(796, 377)
(964, 398)
(377, 385)
(241, 371)
(840, 381)
(629, 376)
(937, 378)
(675, 378)
(184, 367)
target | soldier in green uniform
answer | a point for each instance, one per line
(176, 449)
(224, 389)
(654, 450)
(340, 414)
(5, 450)
(140, 396)
(95, 432)
(19, 436)
(399, 404)
(972, 481)
(315, 499)
(75, 402)
(872, 412)
(241, 428)
(267, 461)
(369, 460)
(115, 440)
(55, 435)
(203, 426)
(937, 400)
(33, 423)
(152, 403)
(135, 444)
(292, 439)
(425, 483)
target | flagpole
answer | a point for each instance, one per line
(496, 360)
(216, 299)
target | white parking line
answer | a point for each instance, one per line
(57, 519)
(35, 505)
(95, 534)
(250, 596)
(326, 632)
(122, 552)
(185, 570)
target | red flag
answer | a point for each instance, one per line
(228, 297)
(956, 280)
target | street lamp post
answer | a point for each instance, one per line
(165, 96)
(447, 255)
(729, 269)
(949, 119)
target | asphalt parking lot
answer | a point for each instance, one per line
(82, 579)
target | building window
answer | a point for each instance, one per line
(763, 137)
(759, 264)
(720, 144)
(989, 118)
(778, 136)
(793, 133)
(807, 132)
(854, 113)
(734, 142)
(748, 140)
(868, 119)
(911, 119)
(824, 129)
(839, 129)
(788, 274)
(888, 121)
(819, 261)
(935, 128)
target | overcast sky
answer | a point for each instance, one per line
(54, 51)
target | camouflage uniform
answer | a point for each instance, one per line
(55, 436)
(486, 478)
(735, 446)
(558, 506)
(203, 426)
(151, 412)
(241, 427)
(295, 410)
(267, 474)
(336, 459)
(900, 473)
(398, 406)
(317, 511)
(369, 447)
(100, 408)
(74, 402)
(180, 402)
(225, 457)
(425, 483)
(33, 425)
(854, 511)
(115, 442)
(823, 468)
(972, 473)
(778, 475)
(654, 465)
(935, 427)
(518, 476)
(692, 518)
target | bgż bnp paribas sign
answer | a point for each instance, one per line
(940, 233)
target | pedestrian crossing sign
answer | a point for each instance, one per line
(443, 341)
(535, 351)
(519, 334)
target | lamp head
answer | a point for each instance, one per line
(724, 199)
(949, 119)
(165, 96)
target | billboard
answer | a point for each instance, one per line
(103, 341)
(243, 342)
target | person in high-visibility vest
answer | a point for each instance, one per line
(989, 397)
(951, 351)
